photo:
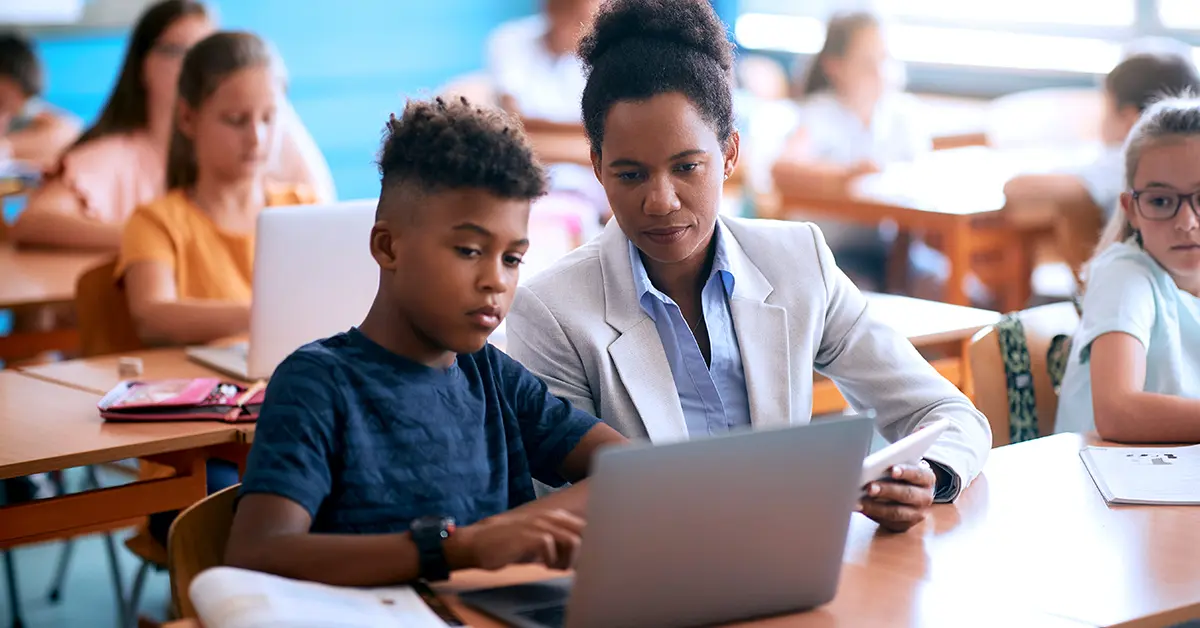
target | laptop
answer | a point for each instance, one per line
(313, 277)
(704, 532)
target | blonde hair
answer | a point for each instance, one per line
(1164, 120)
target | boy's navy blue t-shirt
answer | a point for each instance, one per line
(367, 441)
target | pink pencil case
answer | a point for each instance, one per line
(200, 399)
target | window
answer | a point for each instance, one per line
(1072, 36)
(913, 43)
(1181, 14)
(1068, 12)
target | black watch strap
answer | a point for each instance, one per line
(429, 534)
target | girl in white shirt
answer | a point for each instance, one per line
(1134, 370)
(853, 120)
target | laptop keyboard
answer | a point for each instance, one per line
(549, 616)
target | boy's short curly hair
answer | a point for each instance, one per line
(447, 144)
(19, 62)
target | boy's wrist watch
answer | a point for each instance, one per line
(429, 534)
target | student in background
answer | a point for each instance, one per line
(533, 65)
(186, 258)
(1094, 190)
(538, 77)
(348, 482)
(119, 163)
(678, 323)
(1134, 369)
(853, 121)
(33, 130)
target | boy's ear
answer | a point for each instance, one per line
(596, 166)
(382, 245)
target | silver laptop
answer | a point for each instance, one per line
(313, 277)
(704, 532)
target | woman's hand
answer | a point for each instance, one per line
(902, 499)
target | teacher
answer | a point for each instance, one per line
(676, 323)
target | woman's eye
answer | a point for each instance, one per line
(467, 251)
(513, 260)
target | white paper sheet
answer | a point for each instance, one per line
(1145, 475)
(226, 597)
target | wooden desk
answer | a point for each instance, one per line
(49, 427)
(32, 278)
(955, 196)
(1034, 528)
(99, 375)
(1031, 542)
(928, 324)
(865, 598)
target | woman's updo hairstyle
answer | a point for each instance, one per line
(638, 49)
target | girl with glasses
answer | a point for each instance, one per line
(1134, 371)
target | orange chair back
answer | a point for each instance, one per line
(105, 324)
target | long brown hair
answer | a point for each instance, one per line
(205, 67)
(126, 109)
(1166, 119)
(839, 34)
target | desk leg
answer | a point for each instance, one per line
(958, 251)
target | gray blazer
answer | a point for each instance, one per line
(579, 326)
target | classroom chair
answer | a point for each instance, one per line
(105, 324)
(197, 542)
(1016, 366)
(106, 327)
(1045, 117)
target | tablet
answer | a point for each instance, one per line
(906, 450)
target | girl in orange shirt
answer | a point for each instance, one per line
(186, 258)
(117, 164)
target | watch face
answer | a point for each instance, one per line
(445, 525)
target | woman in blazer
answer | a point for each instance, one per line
(676, 323)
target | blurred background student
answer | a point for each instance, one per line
(1081, 200)
(536, 74)
(853, 120)
(119, 162)
(33, 130)
(533, 65)
(186, 258)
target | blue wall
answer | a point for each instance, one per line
(350, 62)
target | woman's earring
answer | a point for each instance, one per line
(1137, 237)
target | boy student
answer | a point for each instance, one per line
(31, 129)
(1088, 197)
(407, 447)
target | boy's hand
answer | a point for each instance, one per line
(902, 500)
(549, 537)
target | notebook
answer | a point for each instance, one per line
(226, 597)
(202, 398)
(1145, 475)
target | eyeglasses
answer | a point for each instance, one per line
(169, 50)
(1163, 205)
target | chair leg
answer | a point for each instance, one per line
(135, 595)
(118, 583)
(91, 480)
(60, 572)
(14, 595)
